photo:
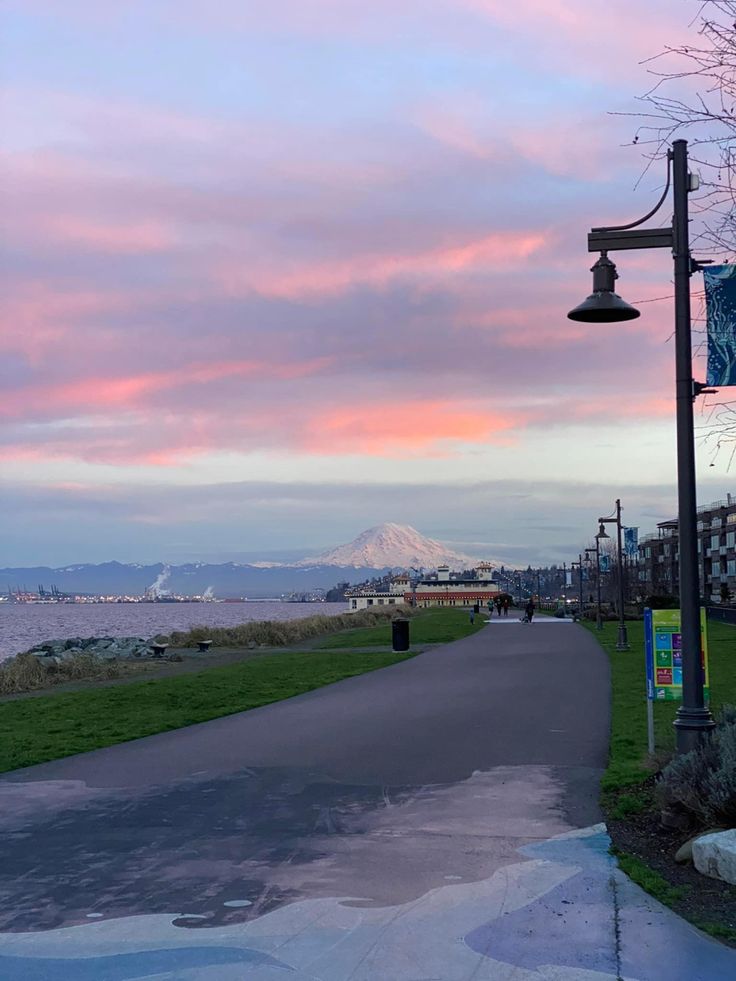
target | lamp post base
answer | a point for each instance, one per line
(598, 622)
(692, 725)
(622, 644)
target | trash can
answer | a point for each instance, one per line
(476, 608)
(399, 635)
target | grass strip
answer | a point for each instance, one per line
(627, 764)
(432, 626)
(35, 730)
(650, 881)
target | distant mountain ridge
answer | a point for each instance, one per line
(392, 546)
(374, 552)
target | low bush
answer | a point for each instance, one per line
(24, 673)
(702, 783)
(284, 633)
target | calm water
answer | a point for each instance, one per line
(24, 625)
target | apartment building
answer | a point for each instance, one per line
(658, 560)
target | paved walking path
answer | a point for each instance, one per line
(434, 820)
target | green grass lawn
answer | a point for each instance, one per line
(431, 626)
(627, 762)
(34, 730)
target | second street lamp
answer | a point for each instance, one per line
(622, 644)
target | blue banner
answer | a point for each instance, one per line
(720, 305)
(631, 541)
(605, 563)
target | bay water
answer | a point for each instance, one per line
(23, 625)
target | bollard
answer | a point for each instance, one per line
(399, 635)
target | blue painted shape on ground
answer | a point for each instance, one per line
(567, 926)
(570, 926)
(127, 967)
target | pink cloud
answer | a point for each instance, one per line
(292, 281)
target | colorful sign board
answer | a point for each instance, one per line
(663, 646)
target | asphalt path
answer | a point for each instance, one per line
(386, 826)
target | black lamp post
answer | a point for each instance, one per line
(579, 565)
(622, 644)
(604, 306)
(597, 552)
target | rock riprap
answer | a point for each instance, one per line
(103, 648)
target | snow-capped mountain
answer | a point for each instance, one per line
(391, 546)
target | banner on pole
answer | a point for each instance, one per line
(663, 647)
(605, 563)
(720, 305)
(631, 541)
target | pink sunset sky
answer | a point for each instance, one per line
(277, 272)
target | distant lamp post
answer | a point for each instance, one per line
(597, 552)
(694, 720)
(579, 565)
(622, 644)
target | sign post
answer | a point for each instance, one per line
(663, 648)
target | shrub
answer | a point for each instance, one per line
(664, 602)
(702, 783)
(24, 672)
(284, 633)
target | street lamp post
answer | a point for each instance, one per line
(597, 552)
(693, 720)
(579, 565)
(622, 644)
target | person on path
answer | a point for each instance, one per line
(490, 609)
(499, 605)
(505, 606)
(472, 616)
(530, 610)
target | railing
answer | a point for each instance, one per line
(715, 506)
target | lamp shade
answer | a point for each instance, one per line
(602, 533)
(603, 306)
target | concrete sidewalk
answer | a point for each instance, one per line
(434, 820)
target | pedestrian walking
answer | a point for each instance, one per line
(472, 616)
(505, 606)
(530, 610)
(499, 605)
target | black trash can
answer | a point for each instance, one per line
(476, 608)
(400, 635)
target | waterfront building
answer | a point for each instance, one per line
(441, 588)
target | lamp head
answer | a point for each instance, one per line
(603, 306)
(602, 531)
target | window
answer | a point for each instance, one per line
(392, 602)
(731, 519)
(716, 569)
(353, 604)
(715, 541)
(731, 567)
(716, 523)
(666, 550)
(370, 602)
(380, 602)
(730, 539)
(647, 552)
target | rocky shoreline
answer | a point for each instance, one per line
(55, 652)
